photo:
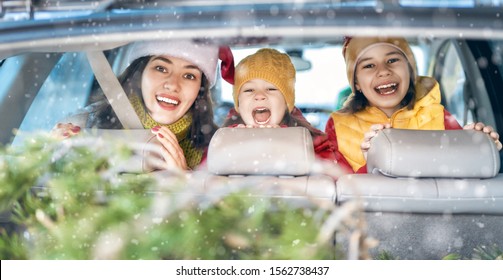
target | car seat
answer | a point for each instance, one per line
(430, 193)
(278, 162)
(263, 161)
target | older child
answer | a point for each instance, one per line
(264, 96)
(386, 92)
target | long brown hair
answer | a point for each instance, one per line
(202, 129)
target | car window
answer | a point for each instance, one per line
(7, 66)
(497, 57)
(64, 92)
(318, 90)
(452, 80)
(45, 76)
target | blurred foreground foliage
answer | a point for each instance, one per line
(492, 252)
(71, 202)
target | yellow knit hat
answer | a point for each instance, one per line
(354, 47)
(269, 65)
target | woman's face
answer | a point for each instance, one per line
(169, 87)
(382, 74)
(261, 103)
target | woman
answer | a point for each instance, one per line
(168, 84)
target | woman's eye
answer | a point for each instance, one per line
(368, 66)
(272, 89)
(248, 90)
(160, 69)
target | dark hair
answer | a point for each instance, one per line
(290, 120)
(202, 129)
(357, 101)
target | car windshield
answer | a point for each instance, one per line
(429, 189)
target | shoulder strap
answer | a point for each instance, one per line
(113, 90)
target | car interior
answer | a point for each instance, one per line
(426, 192)
(409, 189)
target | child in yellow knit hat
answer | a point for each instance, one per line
(264, 96)
(386, 92)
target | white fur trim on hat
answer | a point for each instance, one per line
(204, 55)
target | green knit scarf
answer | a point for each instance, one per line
(180, 128)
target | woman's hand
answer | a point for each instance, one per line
(65, 130)
(487, 129)
(171, 150)
(367, 137)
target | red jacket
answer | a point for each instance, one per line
(450, 123)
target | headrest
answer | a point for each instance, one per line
(261, 151)
(147, 156)
(433, 153)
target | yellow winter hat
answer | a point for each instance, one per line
(354, 47)
(269, 65)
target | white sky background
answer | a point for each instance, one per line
(320, 85)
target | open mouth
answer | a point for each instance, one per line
(261, 115)
(386, 89)
(168, 101)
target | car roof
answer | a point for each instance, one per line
(101, 25)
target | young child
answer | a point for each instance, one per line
(264, 96)
(386, 92)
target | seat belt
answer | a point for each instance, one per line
(113, 90)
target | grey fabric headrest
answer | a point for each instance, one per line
(146, 147)
(433, 153)
(261, 151)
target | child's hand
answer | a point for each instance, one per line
(365, 145)
(65, 130)
(243, 126)
(257, 126)
(486, 129)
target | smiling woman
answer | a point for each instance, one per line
(168, 84)
(169, 88)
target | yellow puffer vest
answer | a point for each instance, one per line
(427, 113)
